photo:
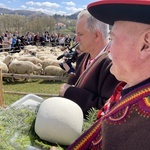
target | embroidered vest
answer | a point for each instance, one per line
(92, 138)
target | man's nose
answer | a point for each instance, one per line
(77, 39)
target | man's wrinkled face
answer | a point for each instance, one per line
(84, 37)
(123, 49)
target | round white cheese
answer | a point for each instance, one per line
(59, 120)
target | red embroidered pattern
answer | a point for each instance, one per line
(130, 99)
(120, 116)
(85, 139)
(139, 100)
(143, 107)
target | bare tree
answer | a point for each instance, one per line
(34, 24)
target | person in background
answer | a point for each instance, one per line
(47, 38)
(1, 41)
(62, 40)
(7, 42)
(42, 40)
(14, 41)
(37, 39)
(92, 83)
(124, 121)
(52, 40)
(6, 33)
(67, 40)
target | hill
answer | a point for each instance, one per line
(73, 16)
(32, 13)
(20, 12)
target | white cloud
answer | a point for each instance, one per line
(2, 5)
(74, 9)
(44, 4)
(23, 6)
(69, 3)
(51, 8)
(61, 8)
(47, 11)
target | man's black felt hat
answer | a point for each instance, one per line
(110, 11)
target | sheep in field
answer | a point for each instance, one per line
(24, 67)
(46, 56)
(5, 63)
(4, 67)
(34, 60)
(3, 55)
(8, 59)
(49, 61)
(54, 71)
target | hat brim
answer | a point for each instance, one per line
(109, 12)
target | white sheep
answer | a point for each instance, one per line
(44, 56)
(8, 59)
(54, 71)
(33, 59)
(49, 61)
(4, 53)
(4, 67)
(2, 57)
(24, 67)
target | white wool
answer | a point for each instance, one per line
(23, 67)
(54, 71)
(59, 120)
(4, 67)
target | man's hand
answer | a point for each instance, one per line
(63, 89)
(66, 66)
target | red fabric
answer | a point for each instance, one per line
(113, 99)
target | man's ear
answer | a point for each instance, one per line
(145, 49)
(98, 35)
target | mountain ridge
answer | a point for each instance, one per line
(31, 13)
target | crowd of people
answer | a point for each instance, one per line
(14, 41)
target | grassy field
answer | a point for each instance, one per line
(31, 86)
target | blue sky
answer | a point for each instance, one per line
(49, 7)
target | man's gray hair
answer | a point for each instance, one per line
(93, 24)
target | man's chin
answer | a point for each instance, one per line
(117, 75)
(112, 70)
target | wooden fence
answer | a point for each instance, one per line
(50, 78)
(9, 75)
(2, 102)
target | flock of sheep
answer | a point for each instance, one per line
(33, 60)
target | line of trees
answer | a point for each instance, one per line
(23, 24)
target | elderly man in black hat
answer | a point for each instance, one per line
(124, 122)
